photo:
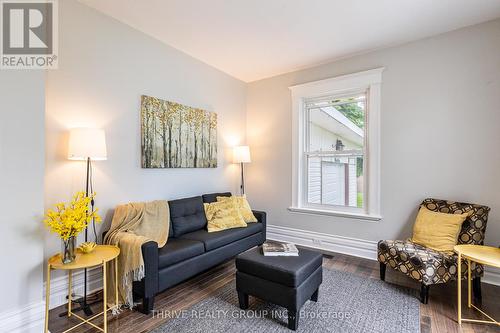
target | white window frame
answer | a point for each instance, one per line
(369, 81)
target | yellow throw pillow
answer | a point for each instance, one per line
(242, 205)
(438, 231)
(223, 215)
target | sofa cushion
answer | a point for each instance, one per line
(212, 197)
(177, 250)
(187, 215)
(213, 240)
(288, 271)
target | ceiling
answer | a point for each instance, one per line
(254, 39)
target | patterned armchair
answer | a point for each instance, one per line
(428, 266)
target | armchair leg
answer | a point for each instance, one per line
(424, 294)
(382, 271)
(476, 288)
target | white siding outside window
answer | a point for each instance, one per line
(314, 193)
(333, 184)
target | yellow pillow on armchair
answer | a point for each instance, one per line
(222, 215)
(242, 205)
(438, 231)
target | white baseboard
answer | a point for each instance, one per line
(59, 285)
(346, 245)
(340, 244)
(28, 319)
(491, 275)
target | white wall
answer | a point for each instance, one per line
(22, 103)
(440, 132)
(104, 67)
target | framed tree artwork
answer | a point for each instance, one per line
(177, 136)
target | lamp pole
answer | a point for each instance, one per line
(86, 307)
(242, 187)
(241, 155)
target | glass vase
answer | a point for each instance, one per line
(68, 250)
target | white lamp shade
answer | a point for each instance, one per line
(241, 154)
(85, 143)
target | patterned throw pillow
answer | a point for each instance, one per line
(242, 205)
(223, 215)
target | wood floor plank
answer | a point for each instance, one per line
(438, 316)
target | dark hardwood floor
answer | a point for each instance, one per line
(439, 315)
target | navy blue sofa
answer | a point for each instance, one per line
(190, 248)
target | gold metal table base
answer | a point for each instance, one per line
(469, 297)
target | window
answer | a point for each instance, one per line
(336, 146)
(335, 150)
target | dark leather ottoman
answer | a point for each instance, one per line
(285, 281)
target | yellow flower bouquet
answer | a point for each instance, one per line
(69, 219)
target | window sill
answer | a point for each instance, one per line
(315, 211)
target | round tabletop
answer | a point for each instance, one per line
(487, 255)
(101, 253)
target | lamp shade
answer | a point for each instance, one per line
(241, 154)
(87, 143)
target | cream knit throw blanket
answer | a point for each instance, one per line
(134, 224)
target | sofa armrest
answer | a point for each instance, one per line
(262, 218)
(150, 256)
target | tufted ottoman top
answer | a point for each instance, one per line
(288, 271)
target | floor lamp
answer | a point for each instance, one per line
(241, 155)
(87, 144)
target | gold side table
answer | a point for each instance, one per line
(101, 255)
(485, 255)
